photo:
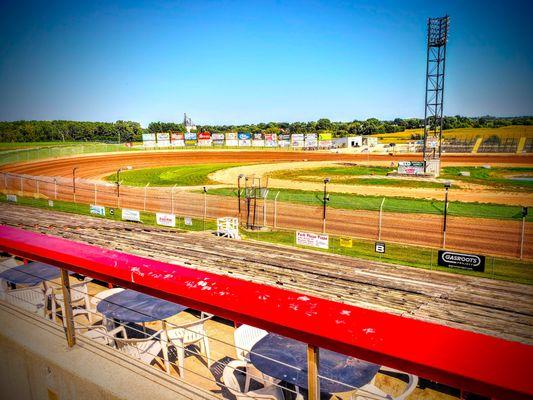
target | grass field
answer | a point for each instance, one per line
(498, 177)
(515, 131)
(414, 256)
(26, 145)
(392, 204)
(185, 175)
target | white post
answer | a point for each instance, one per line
(144, 204)
(205, 206)
(37, 187)
(21, 185)
(522, 237)
(380, 216)
(264, 211)
(55, 188)
(276, 210)
(5, 181)
(95, 194)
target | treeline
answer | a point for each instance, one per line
(129, 131)
(70, 131)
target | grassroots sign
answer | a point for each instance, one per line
(312, 239)
(98, 210)
(165, 219)
(472, 262)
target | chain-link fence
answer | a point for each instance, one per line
(364, 218)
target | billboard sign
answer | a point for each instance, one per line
(190, 138)
(217, 139)
(320, 241)
(471, 262)
(163, 139)
(165, 219)
(232, 139)
(245, 139)
(311, 141)
(297, 140)
(284, 140)
(97, 210)
(11, 197)
(258, 140)
(177, 139)
(204, 139)
(149, 140)
(410, 167)
(131, 215)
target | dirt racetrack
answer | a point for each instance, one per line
(487, 236)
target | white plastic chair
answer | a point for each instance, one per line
(103, 336)
(374, 392)
(79, 296)
(270, 392)
(187, 334)
(33, 299)
(246, 337)
(144, 349)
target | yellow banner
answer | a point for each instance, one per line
(346, 241)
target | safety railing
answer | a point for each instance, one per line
(470, 361)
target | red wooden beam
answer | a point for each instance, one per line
(478, 363)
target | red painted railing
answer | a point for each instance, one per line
(466, 360)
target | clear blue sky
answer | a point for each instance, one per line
(250, 61)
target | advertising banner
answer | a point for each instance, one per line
(232, 139)
(320, 241)
(410, 167)
(11, 197)
(165, 219)
(471, 262)
(258, 140)
(177, 139)
(325, 140)
(163, 139)
(131, 215)
(217, 139)
(245, 139)
(311, 141)
(297, 140)
(284, 140)
(204, 139)
(345, 241)
(271, 140)
(149, 140)
(190, 138)
(98, 210)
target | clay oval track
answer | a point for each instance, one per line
(96, 166)
(487, 236)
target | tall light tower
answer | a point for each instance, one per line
(435, 70)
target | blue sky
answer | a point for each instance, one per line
(231, 62)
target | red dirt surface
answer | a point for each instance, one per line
(488, 236)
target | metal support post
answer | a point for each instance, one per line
(380, 218)
(55, 189)
(95, 195)
(205, 205)
(22, 185)
(313, 383)
(171, 199)
(522, 237)
(68, 315)
(144, 203)
(276, 210)
(37, 188)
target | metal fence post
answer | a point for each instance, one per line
(522, 237)
(172, 199)
(144, 204)
(95, 194)
(55, 188)
(22, 186)
(276, 210)
(380, 216)
(313, 383)
(5, 181)
(68, 315)
(37, 188)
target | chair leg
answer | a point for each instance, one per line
(207, 351)
(181, 358)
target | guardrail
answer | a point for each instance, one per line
(470, 361)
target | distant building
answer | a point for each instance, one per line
(348, 142)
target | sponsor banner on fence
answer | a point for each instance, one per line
(325, 140)
(258, 140)
(177, 139)
(163, 139)
(271, 140)
(345, 241)
(451, 259)
(131, 215)
(190, 138)
(98, 210)
(165, 219)
(311, 140)
(297, 140)
(187, 221)
(149, 140)
(410, 167)
(245, 139)
(312, 239)
(284, 140)
(218, 139)
(11, 197)
(204, 139)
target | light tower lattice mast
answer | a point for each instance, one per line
(435, 71)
